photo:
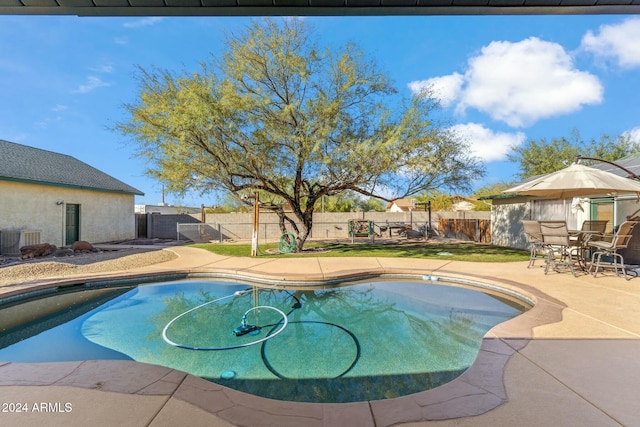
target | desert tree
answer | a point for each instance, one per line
(538, 157)
(274, 112)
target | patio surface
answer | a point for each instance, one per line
(574, 359)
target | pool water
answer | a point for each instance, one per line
(366, 341)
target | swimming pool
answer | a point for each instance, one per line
(367, 341)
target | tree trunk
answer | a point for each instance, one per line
(307, 224)
(301, 236)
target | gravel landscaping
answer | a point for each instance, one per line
(14, 270)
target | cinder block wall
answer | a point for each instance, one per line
(328, 225)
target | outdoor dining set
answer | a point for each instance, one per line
(589, 249)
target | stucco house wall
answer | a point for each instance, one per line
(37, 185)
(103, 216)
(401, 205)
(507, 214)
(506, 225)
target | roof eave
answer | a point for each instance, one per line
(76, 187)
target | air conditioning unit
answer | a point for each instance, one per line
(11, 240)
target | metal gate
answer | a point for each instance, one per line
(72, 224)
(141, 226)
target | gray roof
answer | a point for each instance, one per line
(33, 165)
(314, 7)
(631, 163)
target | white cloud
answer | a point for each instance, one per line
(486, 144)
(47, 121)
(517, 83)
(445, 88)
(50, 120)
(521, 83)
(620, 42)
(104, 69)
(91, 84)
(145, 22)
(633, 134)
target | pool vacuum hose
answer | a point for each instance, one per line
(241, 330)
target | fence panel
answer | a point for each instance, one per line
(198, 233)
(476, 230)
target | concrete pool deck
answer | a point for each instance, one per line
(574, 359)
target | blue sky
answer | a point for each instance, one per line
(502, 80)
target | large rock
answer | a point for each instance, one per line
(62, 252)
(82, 246)
(39, 250)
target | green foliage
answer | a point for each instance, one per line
(349, 201)
(226, 209)
(612, 149)
(542, 157)
(228, 203)
(343, 202)
(371, 204)
(275, 113)
(489, 190)
(492, 189)
(482, 206)
(440, 201)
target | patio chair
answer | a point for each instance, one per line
(555, 236)
(591, 231)
(534, 238)
(595, 228)
(620, 240)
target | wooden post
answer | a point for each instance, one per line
(429, 226)
(202, 222)
(256, 220)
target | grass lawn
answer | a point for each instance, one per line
(451, 251)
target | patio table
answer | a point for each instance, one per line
(402, 228)
(579, 239)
